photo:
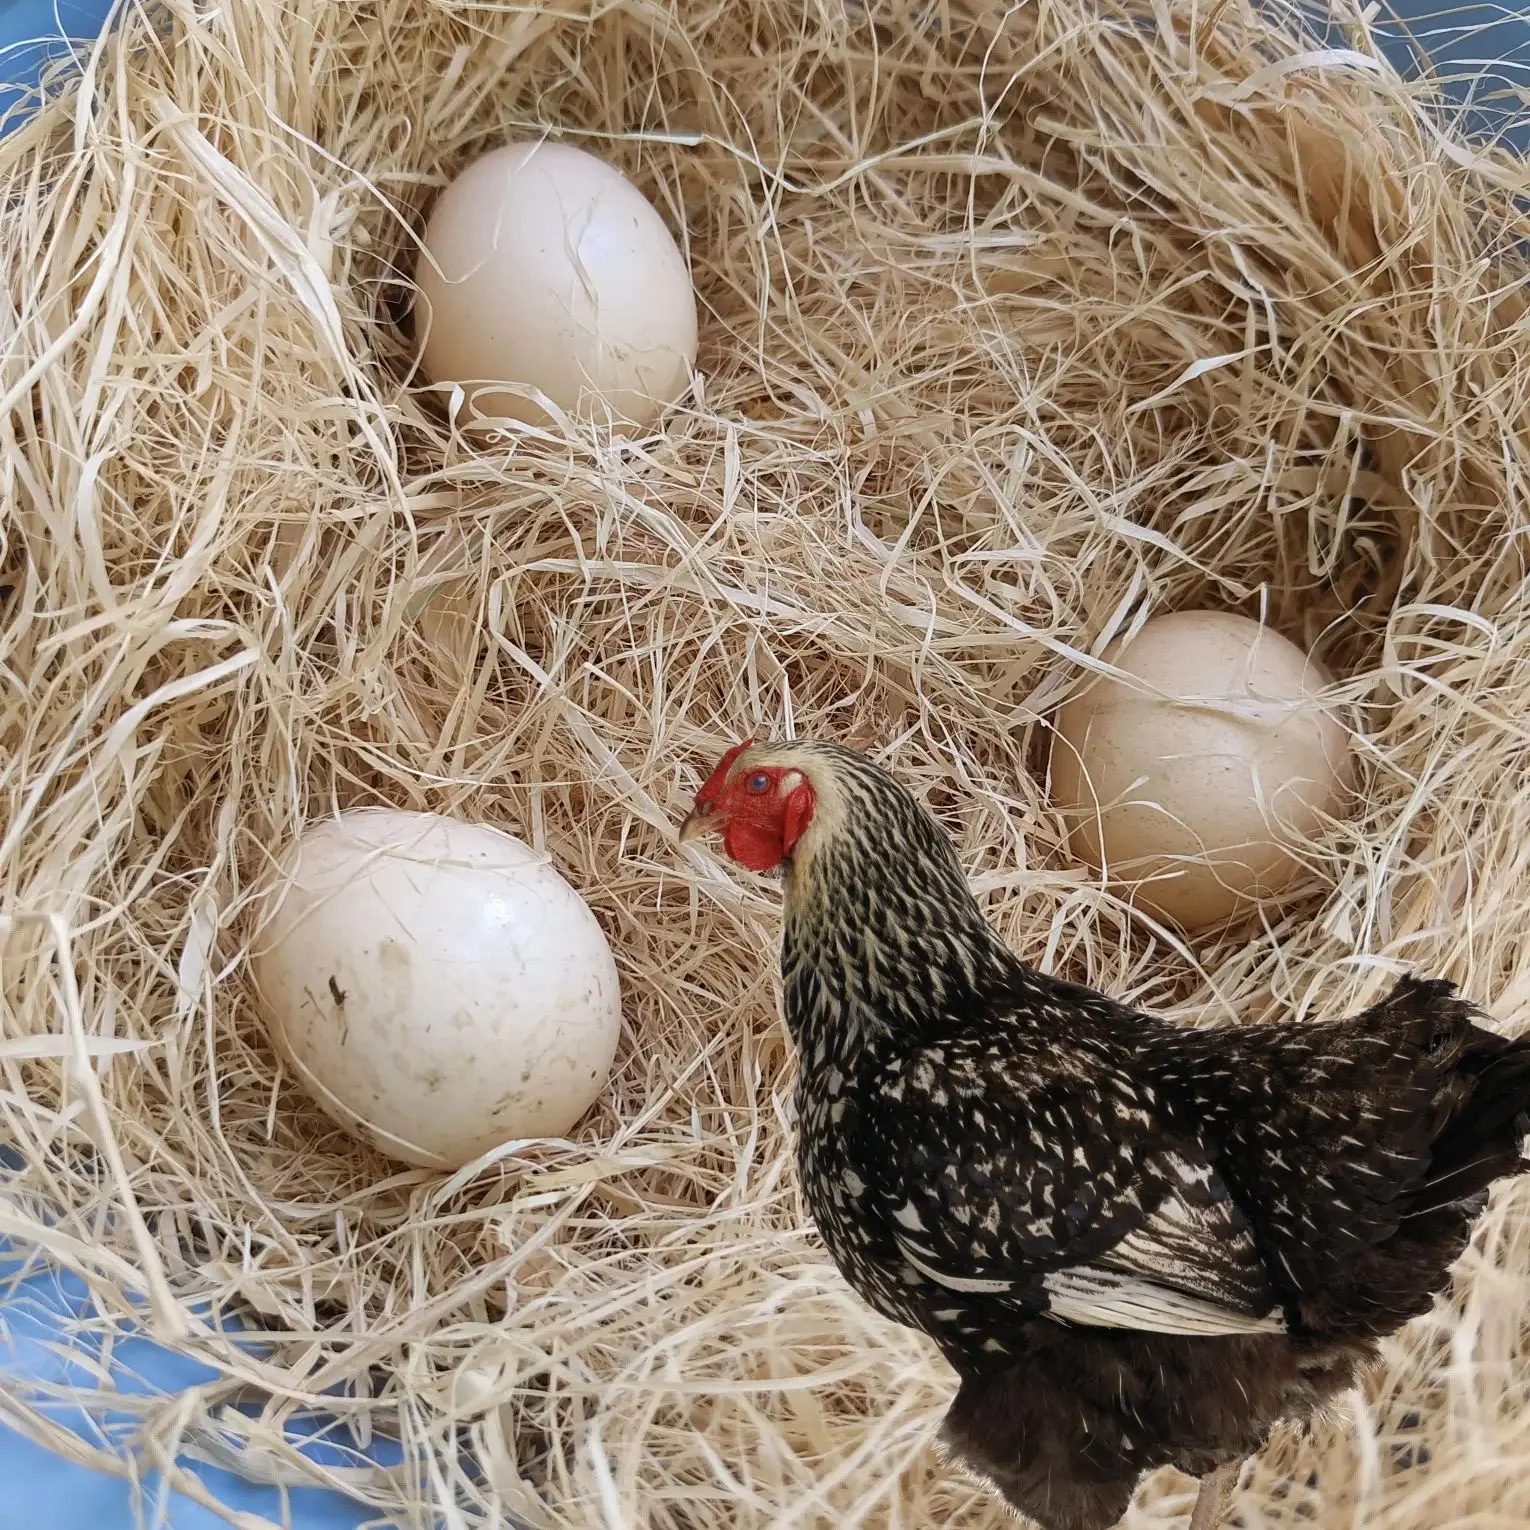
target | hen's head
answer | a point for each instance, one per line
(868, 868)
(781, 802)
(769, 802)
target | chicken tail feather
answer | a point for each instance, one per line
(1483, 1102)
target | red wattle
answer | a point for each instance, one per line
(753, 847)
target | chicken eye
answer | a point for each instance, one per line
(757, 784)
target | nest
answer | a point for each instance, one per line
(1018, 327)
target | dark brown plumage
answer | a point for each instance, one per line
(1138, 1245)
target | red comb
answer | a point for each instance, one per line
(718, 776)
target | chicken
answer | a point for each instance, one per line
(1137, 1244)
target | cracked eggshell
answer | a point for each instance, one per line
(435, 985)
(1194, 782)
(544, 266)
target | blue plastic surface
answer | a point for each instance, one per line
(33, 33)
(76, 1498)
(1481, 51)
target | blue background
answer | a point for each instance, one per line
(31, 33)
(38, 1487)
(1481, 52)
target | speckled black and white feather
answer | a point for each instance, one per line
(1137, 1244)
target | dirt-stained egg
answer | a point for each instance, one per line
(546, 268)
(434, 985)
(1193, 781)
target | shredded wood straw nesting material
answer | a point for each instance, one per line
(1018, 327)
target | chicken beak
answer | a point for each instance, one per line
(700, 822)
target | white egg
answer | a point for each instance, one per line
(545, 267)
(1196, 780)
(435, 985)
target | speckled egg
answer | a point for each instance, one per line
(435, 986)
